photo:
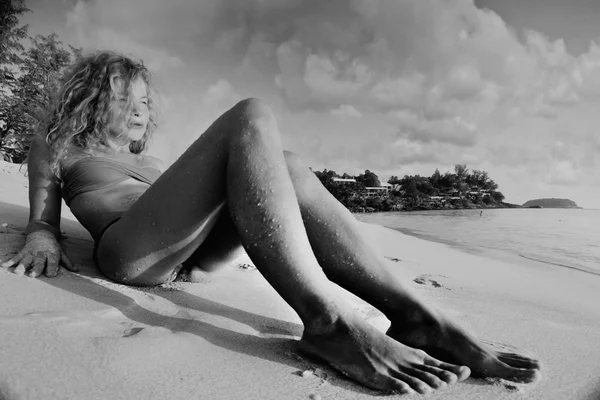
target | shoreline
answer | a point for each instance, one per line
(494, 253)
(478, 208)
(81, 336)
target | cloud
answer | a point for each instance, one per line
(441, 79)
(92, 34)
(405, 91)
(220, 96)
(454, 131)
(336, 76)
(346, 111)
(565, 173)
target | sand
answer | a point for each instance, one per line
(79, 336)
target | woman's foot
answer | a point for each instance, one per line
(361, 352)
(447, 341)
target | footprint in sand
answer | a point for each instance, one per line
(246, 266)
(508, 386)
(132, 332)
(428, 280)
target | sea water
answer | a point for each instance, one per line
(568, 238)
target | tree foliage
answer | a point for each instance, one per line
(30, 76)
(344, 192)
(11, 36)
(369, 179)
(414, 190)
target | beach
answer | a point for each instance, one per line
(80, 336)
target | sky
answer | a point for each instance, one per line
(398, 87)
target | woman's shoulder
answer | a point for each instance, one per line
(72, 156)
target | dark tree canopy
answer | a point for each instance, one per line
(29, 78)
(369, 179)
(11, 35)
(461, 188)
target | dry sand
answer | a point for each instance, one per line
(79, 336)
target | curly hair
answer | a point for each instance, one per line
(81, 113)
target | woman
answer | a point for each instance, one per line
(233, 187)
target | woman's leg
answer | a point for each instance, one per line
(350, 260)
(239, 159)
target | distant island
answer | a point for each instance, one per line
(550, 203)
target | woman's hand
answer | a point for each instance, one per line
(42, 252)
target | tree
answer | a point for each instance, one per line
(369, 179)
(394, 180)
(435, 179)
(11, 36)
(498, 196)
(448, 180)
(29, 80)
(461, 172)
(10, 40)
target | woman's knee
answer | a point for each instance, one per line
(252, 116)
(253, 109)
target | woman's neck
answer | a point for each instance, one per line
(118, 147)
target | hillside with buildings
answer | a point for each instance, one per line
(458, 190)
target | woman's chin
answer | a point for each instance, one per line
(136, 134)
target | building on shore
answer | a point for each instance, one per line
(344, 180)
(382, 190)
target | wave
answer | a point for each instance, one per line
(577, 268)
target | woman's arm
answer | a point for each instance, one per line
(44, 191)
(42, 250)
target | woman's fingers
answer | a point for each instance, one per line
(38, 266)
(52, 266)
(25, 262)
(67, 263)
(13, 261)
(42, 261)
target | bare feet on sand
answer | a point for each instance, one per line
(354, 347)
(447, 341)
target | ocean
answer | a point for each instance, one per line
(568, 238)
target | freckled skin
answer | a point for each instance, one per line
(235, 189)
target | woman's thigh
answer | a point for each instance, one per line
(173, 217)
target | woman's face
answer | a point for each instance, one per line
(136, 121)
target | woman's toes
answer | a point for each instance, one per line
(519, 361)
(526, 375)
(502, 370)
(394, 384)
(461, 372)
(444, 375)
(415, 383)
(429, 377)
